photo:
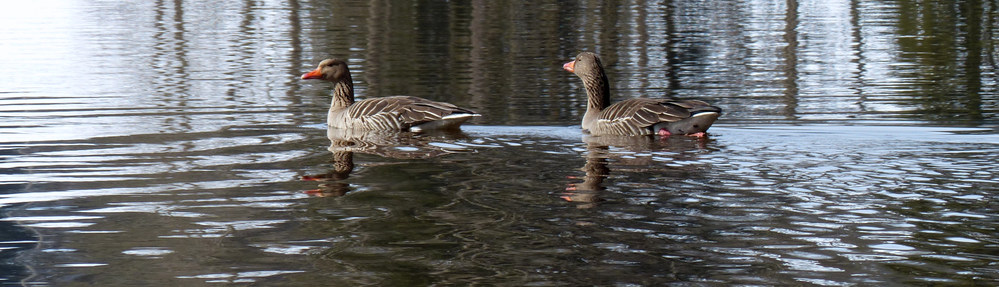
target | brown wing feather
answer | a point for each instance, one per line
(633, 116)
(401, 112)
(695, 106)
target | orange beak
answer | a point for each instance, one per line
(315, 74)
(570, 66)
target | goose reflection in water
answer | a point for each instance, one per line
(599, 154)
(399, 145)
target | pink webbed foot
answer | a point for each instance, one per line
(313, 178)
(698, 135)
(664, 132)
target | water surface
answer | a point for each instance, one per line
(172, 142)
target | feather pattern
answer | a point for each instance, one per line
(398, 113)
(638, 116)
(394, 113)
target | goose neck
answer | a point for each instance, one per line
(597, 92)
(343, 94)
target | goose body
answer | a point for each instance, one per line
(638, 116)
(397, 113)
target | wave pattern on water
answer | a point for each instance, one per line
(170, 143)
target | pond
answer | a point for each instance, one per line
(173, 142)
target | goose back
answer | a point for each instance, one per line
(399, 113)
(640, 116)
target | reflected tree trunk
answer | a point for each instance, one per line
(944, 41)
(973, 64)
(481, 55)
(861, 60)
(672, 51)
(378, 12)
(292, 95)
(990, 34)
(171, 57)
(642, 31)
(791, 60)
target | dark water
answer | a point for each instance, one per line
(172, 143)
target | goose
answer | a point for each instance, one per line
(396, 113)
(637, 116)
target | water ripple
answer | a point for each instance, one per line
(185, 141)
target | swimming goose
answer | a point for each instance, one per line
(638, 116)
(397, 113)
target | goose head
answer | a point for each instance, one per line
(333, 70)
(586, 65)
